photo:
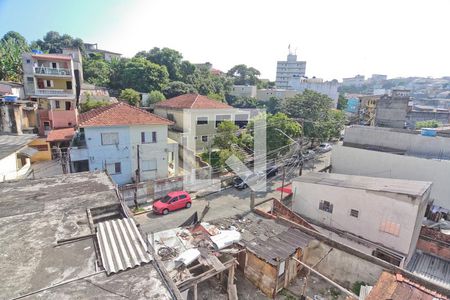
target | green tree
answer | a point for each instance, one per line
(279, 128)
(342, 102)
(12, 45)
(117, 66)
(96, 71)
(142, 75)
(53, 42)
(91, 104)
(167, 57)
(241, 102)
(314, 110)
(244, 75)
(206, 83)
(154, 97)
(217, 97)
(176, 88)
(130, 95)
(428, 124)
(226, 135)
(272, 106)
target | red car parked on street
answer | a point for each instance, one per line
(172, 201)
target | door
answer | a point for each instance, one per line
(182, 201)
(68, 105)
(174, 203)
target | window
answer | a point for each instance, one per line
(111, 138)
(40, 147)
(68, 105)
(241, 120)
(174, 199)
(28, 61)
(390, 228)
(149, 165)
(48, 83)
(354, 213)
(30, 80)
(202, 120)
(54, 65)
(204, 138)
(182, 197)
(114, 168)
(148, 137)
(221, 118)
(57, 104)
(47, 126)
(170, 117)
(69, 85)
(326, 206)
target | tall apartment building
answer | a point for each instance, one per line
(289, 69)
(54, 82)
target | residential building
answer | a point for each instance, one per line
(425, 113)
(18, 116)
(70, 237)
(329, 88)
(391, 110)
(196, 118)
(107, 55)
(387, 212)
(405, 154)
(121, 139)
(289, 69)
(15, 156)
(377, 78)
(12, 88)
(95, 93)
(267, 94)
(54, 82)
(248, 91)
(358, 80)
(367, 109)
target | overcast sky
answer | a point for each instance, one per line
(336, 38)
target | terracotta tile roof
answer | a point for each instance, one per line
(52, 56)
(62, 134)
(397, 287)
(120, 114)
(195, 101)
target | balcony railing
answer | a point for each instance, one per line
(52, 71)
(53, 92)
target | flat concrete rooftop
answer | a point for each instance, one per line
(34, 215)
(399, 186)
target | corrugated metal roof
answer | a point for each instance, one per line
(430, 267)
(121, 245)
(27, 151)
(279, 247)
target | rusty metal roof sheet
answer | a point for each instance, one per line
(279, 247)
(121, 245)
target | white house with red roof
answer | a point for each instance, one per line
(196, 118)
(119, 138)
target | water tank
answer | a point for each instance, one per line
(428, 132)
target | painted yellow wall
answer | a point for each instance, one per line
(41, 155)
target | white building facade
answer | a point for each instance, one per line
(289, 69)
(387, 212)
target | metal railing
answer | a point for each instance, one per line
(53, 92)
(52, 71)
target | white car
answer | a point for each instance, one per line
(324, 147)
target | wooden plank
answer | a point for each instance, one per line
(232, 293)
(216, 263)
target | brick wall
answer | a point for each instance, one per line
(434, 242)
(281, 210)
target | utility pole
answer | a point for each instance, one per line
(282, 184)
(138, 179)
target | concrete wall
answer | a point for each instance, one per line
(342, 267)
(402, 140)
(243, 91)
(415, 116)
(266, 94)
(354, 161)
(391, 111)
(63, 118)
(327, 88)
(41, 155)
(125, 151)
(11, 168)
(373, 208)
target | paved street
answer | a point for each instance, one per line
(226, 203)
